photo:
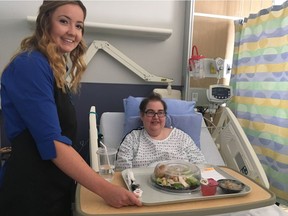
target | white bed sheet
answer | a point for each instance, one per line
(272, 210)
(208, 147)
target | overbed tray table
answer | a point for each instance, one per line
(88, 203)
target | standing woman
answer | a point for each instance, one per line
(40, 120)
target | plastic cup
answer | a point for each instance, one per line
(106, 160)
(209, 188)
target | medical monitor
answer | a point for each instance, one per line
(236, 149)
(216, 94)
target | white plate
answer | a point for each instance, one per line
(175, 168)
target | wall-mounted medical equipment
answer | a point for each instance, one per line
(168, 93)
(219, 94)
(207, 86)
(124, 60)
(194, 60)
(212, 96)
(214, 68)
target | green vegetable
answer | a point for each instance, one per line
(178, 185)
(159, 180)
(192, 181)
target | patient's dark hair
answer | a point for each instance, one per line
(153, 97)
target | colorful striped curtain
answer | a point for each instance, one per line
(260, 83)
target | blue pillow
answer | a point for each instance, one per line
(189, 123)
(132, 123)
(174, 106)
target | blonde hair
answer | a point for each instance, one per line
(42, 41)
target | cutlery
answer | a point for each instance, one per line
(135, 188)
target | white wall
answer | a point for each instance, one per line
(159, 57)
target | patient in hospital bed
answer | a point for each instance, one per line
(181, 114)
(154, 142)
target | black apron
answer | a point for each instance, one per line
(36, 187)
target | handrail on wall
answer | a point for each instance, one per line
(128, 30)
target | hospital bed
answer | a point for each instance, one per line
(227, 146)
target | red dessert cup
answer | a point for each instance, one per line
(208, 186)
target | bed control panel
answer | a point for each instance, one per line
(241, 164)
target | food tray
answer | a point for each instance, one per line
(154, 196)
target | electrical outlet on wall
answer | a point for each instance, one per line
(194, 96)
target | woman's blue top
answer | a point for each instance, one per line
(27, 99)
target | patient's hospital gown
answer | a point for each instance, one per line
(138, 149)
